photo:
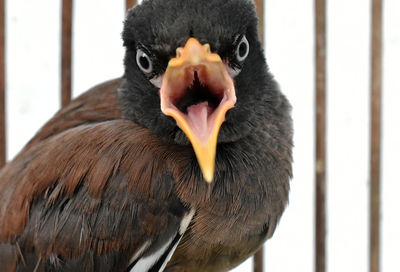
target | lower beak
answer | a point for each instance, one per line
(197, 91)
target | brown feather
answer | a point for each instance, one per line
(90, 188)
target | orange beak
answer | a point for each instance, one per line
(197, 91)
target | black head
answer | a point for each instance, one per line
(159, 27)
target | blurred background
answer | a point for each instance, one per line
(33, 30)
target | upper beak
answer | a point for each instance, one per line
(197, 91)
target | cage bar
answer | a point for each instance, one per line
(320, 134)
(129, 4)
(2, 86)
(66, 52)
(375, 152)
(258, 260)
(260, 13)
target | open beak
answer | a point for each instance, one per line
(197, 91)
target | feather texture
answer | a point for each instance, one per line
(111, 184)
(127, 187)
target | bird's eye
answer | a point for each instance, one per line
(242, 49)
(143, 61)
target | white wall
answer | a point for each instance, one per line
(33, 48)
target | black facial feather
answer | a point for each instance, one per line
(162, 26)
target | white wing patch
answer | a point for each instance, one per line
(151, 261)
(169, 256)
(140, 251)
(144, 264)
(186, 221)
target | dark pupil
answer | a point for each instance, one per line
(242, 49)
(144, 62)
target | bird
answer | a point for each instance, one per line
(182, 164)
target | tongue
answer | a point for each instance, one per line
(198, 116)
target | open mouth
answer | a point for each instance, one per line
(197, 91)
(197, 98)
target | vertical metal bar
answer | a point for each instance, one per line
(2, 85)
(320, 133)
(259, 256)
(258, 261)
(66, 52)
(129, 4)
(260, 13)
(375, 157)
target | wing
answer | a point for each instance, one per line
(95, 197)
(96, 105)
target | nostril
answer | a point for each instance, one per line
(179, 52)
(207, 48)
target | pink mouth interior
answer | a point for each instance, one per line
(196, 89)
(198, 115)
(198, 97)
(198, 94)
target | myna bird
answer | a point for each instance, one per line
(183, 164)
